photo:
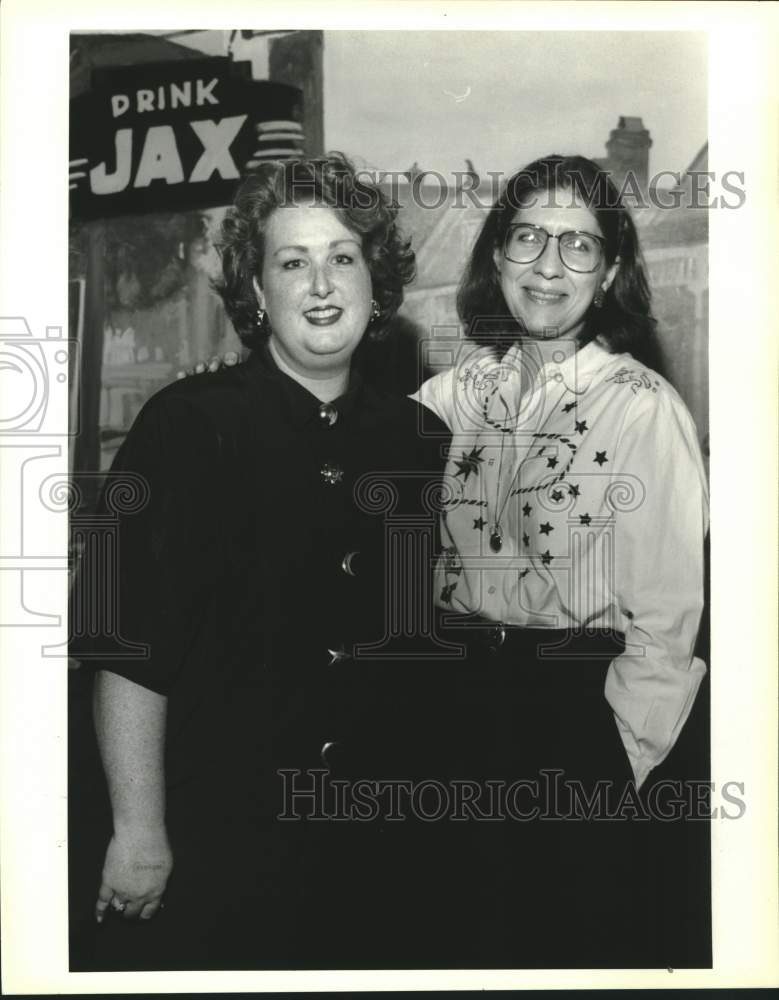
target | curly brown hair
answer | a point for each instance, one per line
(331, 181)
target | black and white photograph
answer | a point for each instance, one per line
(378, 443)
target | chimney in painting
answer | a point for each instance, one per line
(628, 154)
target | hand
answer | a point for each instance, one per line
(218, 361)
(135, 873)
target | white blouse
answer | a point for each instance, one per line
(577, 498)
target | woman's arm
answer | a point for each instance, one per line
(167, 561)
(130, 725)
(658, 563)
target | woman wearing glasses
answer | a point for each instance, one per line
(573, 562)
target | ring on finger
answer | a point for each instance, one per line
(118, 904)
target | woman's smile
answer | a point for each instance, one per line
(323, 315)
(544, 297)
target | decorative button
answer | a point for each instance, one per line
(331, 474)
(496, 636)
(327, 414)
(330, 752)
(350, 563)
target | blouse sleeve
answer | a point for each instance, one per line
(437, 394)
(658, 554)
(148, 600)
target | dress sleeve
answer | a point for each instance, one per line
(140, 610)
(658, 557)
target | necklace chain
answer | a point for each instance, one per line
(496, 534)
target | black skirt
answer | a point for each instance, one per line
(579, 872)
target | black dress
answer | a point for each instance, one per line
(278, 571)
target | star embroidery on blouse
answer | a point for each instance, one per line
(478, 523)
(584, 519)
(551, 463)
(451, 560)
(573, 490)
(469, 463)
(546, 558)
(523, 572)
(446, 593)
(526, 539)
(568, 407)
(545, 528)
(581, 426)
(600, 457)
(527, 510)
(557, 495)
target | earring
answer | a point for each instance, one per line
(260, 317)
(600, 295)
(375, 311)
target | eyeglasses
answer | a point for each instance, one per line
(579, 251)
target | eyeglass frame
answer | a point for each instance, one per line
(550, 236)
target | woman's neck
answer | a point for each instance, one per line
(326, 387)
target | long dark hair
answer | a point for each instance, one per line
(625, 318)
(331, 181)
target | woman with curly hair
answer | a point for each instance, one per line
(252, 584)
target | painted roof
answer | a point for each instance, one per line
(687, 222)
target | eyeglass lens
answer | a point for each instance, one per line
(578, 251)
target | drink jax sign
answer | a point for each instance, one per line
(175, 136)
